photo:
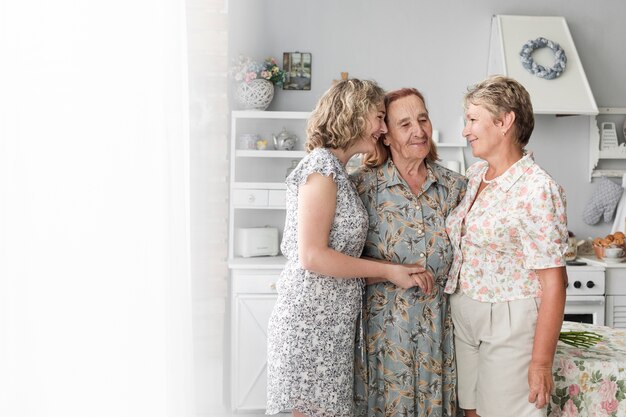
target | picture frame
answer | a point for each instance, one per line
(297, 67)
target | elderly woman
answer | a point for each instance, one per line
(311, 329)
(406, 364)
(508, 279)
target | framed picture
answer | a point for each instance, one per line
(297, 66)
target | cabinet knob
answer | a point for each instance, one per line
(273, 285)
(251, 198)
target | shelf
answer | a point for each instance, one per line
(242, 153)
(595, 154)
(611, 110)
(260, 114)
(238, 207)
(260, 262)
(451, 144)
(618, 153)
(259, 186)
(614, 173)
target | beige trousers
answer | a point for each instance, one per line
(494, 344)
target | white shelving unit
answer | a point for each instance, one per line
(257, 198)
(596, 156)
(257, 177)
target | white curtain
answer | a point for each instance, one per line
(95, 315)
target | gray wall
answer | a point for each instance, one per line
(440, 47)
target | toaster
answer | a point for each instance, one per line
(256, 241)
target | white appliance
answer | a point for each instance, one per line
(585, 300)
(256, 241)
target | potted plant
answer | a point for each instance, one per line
(255, 88)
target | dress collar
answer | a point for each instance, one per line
(515, 171)
(390, 176)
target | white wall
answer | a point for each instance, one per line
(440, 47)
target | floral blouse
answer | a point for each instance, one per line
(516, 225)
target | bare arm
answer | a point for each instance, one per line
(549, 321)
(316, 211)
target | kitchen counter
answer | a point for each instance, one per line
(590, 381)
(593, 260)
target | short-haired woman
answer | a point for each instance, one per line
(508, 278)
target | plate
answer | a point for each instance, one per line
(613, 260)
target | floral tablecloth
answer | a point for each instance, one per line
(590, 382)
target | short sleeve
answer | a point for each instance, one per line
(320, 161)
(543, 229)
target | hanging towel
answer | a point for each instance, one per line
(619, 225)
(603, 202)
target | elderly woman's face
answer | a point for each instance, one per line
(481, 130)
(410, 130)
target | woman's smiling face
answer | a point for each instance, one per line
(481, 130)
(376, 127)
(410, 129)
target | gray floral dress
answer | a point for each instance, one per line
(312, 327)
(406, 365)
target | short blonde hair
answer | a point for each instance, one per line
(382, 152)
(500, 94)
(340, 117)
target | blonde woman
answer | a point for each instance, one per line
(312, 327)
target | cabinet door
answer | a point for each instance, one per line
(251, 317)
(616, 311)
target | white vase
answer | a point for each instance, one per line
(255, 95)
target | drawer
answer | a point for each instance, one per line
(250, 198)
(277, 198)
(255, 284)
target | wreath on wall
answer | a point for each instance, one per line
(539, 70)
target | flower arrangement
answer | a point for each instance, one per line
(246, 70)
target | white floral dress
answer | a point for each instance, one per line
(312, 328)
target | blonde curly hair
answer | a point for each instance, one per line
(340, 117)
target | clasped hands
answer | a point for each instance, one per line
(415, 275)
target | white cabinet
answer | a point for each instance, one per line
(610, 162)
(257, 199)
(616, 311)
(616, 297)
(253, 297)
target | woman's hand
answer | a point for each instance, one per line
(541, 384)
(407, 276)
(425, 281)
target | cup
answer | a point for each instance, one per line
(613, 252)
(248, 141)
